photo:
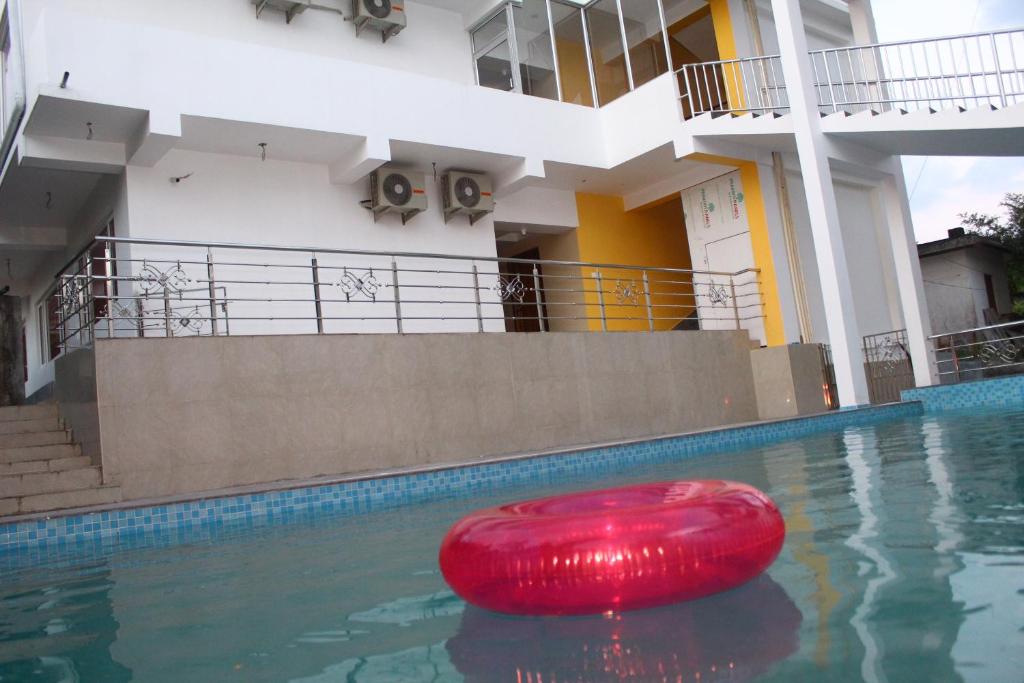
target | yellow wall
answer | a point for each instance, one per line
(725, 35)
(757, 217)
(654, 236)
(573, 70)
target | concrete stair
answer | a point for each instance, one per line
(41, 468)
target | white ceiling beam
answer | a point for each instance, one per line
(66, 154)
(158, 135)
(33, 238)
(364, 159)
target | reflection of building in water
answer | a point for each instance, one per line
(733, 636)
(801, 526)
(60, 632)
(909, 616)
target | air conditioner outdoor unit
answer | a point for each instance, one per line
(394, 190)
(467, 193)
(386, 16)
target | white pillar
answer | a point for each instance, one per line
(836, 290)
(862, 20)
(908, 278)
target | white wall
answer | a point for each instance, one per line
(868, 253)
(108, 202)
(244, 200)
(435, 44)
(954, 285)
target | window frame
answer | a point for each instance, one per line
(581, 7)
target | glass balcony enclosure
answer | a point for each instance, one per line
(587, 52)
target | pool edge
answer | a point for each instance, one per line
(357, 493)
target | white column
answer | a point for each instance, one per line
(836, 290)
(908, 278)
(862, 20)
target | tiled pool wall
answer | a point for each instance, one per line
(1004, 392)
(192, 521)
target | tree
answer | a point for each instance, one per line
(1008, 231)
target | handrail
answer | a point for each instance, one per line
(403, 254)
(916, 41)
(975, 330)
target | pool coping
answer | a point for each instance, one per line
(359, 492)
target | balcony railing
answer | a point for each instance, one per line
(965, 72)
(123, 287)
(991, 351)
(738, 86)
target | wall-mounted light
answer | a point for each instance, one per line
(49, 200)
(263, 151)
(64, 81)
(178, 178)
(88, 126)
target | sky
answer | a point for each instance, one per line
(941, 188)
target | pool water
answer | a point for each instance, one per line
(904, 561)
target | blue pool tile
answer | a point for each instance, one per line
(40, 540)
(1003, 392)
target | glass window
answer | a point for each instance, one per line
(572, 55)
(605, 37)
(645, 40)
(492, 53)
(494, 68)
(494, 29)
(533, 48)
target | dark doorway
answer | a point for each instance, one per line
(522, 313)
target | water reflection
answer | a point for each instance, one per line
(734, 636)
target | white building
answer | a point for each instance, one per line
(714, 141)
(965, 281)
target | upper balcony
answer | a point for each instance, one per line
(951, 95)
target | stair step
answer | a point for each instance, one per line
(32, 412)
(46, 502)
(53, 465)
(40, 424)
(54, 452)
(36, 483)
(50, 438)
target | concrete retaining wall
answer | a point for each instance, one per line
(186, 415)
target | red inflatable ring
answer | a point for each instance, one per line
(613, 550)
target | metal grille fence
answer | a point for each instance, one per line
(123, 287)
(888, 365)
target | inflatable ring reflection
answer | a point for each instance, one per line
(733, 636)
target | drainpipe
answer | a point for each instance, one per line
(803, 310)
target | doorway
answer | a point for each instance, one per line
(526, 311)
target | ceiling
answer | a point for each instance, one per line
(24, 198)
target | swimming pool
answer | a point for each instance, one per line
(904, 561)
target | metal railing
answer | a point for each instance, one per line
(991, 351)
(888, 365)
(753, 85)
(965, 71)
(124, 287)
